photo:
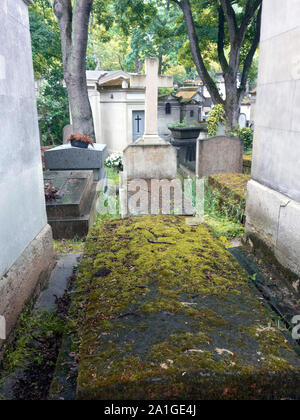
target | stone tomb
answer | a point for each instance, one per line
(74, 210)
(67, 157)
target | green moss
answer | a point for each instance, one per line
(32, 325)
(174, 316)
(231, 184)
(229, 194)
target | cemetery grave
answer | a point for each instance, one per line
(73, 211)
(164, 311)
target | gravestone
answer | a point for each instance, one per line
(69, 158)
(73, 211)
(150, 156)
(219, 154)
(242, 121)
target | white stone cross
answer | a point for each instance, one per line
(151, 81)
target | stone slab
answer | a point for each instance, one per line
(171, 315)
(152, 196)
(66, 157)
(73, 188)
(58, 282)
(220, 154)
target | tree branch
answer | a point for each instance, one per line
(250, 55)
(231, 19)
(197, 56)
(221, 37)
(63, 12)
(251, 7)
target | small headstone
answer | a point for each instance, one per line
(219, 154)
(69, 158)
(242, 121)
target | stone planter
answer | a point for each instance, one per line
(80, 144)
(183, 133)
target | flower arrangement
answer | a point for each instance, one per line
(77, 137)
(114, 161)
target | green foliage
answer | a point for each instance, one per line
(52, 101)
(215, 117)
(175, 124)
(245, 134)
(218, 217)
(32, 325)
(53, 107)
(45, 38)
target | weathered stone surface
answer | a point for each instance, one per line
(74, 210)
(219, 154)
(26, 255)
(150, 157)
(72, 190)
(26, 277)
(22, 207)
(174, 318)
(274, 219)
(150, 160)
(273, 200)
(67, 157)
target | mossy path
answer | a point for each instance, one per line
(164, 311)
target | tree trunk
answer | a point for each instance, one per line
(138, 66)
(234, 95)
(73, 23)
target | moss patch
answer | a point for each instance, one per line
(231, 193)
(247, 163)
(165, 312)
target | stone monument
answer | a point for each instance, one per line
(150, 157)
(26, 256)
(68, 158)
(273, 202)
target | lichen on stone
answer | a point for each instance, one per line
(172, 316)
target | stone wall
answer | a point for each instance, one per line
(273, 205)
(22, 206)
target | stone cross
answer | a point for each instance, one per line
(151, 81)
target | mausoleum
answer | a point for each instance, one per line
(26, 250)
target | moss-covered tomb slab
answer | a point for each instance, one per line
(169, 314)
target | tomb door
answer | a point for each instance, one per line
(138, 124)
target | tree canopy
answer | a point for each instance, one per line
(123, 32)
